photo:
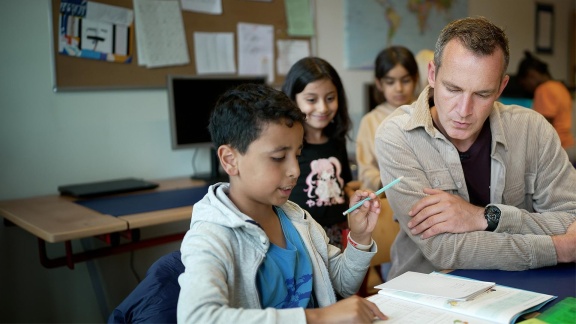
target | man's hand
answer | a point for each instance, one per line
(350, 310)
(441, 212)
(566, 245)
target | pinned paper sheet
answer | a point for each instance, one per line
(108, 13)
(160, 35)
(255, 50)
(299, 18)
(289, 52)
(213, 7)
(214, 53)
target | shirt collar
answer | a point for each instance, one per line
(421, 117)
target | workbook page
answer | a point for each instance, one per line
(500, 304)
(405, 312)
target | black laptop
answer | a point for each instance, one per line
(103, 188)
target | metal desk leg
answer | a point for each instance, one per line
(70, 258)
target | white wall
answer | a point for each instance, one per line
(48, 139)
(515, 16)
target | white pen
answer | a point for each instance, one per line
(358, 204)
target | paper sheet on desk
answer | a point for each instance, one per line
(499, 304)
(405, 312)
(434, 285)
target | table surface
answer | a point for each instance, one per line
(56, 218)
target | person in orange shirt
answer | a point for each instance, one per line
(551, 99)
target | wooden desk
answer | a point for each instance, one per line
(57, 218)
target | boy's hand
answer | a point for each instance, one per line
(363, 220)
(353, 309)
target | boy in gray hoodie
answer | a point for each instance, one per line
(252, 256)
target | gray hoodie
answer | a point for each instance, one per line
(223, 250)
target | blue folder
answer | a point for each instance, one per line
(142, 203)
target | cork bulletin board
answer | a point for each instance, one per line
(73, 73)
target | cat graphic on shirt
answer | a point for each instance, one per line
(324, 184)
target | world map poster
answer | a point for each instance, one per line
(372, 25)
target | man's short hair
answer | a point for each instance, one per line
(477, 34)
(242, 113)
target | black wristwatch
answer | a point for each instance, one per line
(492, 215)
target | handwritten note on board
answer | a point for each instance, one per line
(160, 35)
(256, 50)
(214, 53)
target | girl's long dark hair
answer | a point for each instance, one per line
(310, 69)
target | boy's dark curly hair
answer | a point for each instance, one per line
(241, 114)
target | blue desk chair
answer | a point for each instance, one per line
(155, 298)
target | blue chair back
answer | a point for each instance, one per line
(155, 298)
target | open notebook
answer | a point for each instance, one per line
(498, 304)
(102, 188)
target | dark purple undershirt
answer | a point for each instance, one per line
(476, 166)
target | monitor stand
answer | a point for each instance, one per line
(215, 175)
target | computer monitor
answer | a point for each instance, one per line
(191, 101)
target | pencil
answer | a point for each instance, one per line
(358, 204)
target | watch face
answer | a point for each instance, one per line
(493, 213)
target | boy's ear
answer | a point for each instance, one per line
(227, 156)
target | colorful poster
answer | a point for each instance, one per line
(96, 31)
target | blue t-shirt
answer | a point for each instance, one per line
(284, 279)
